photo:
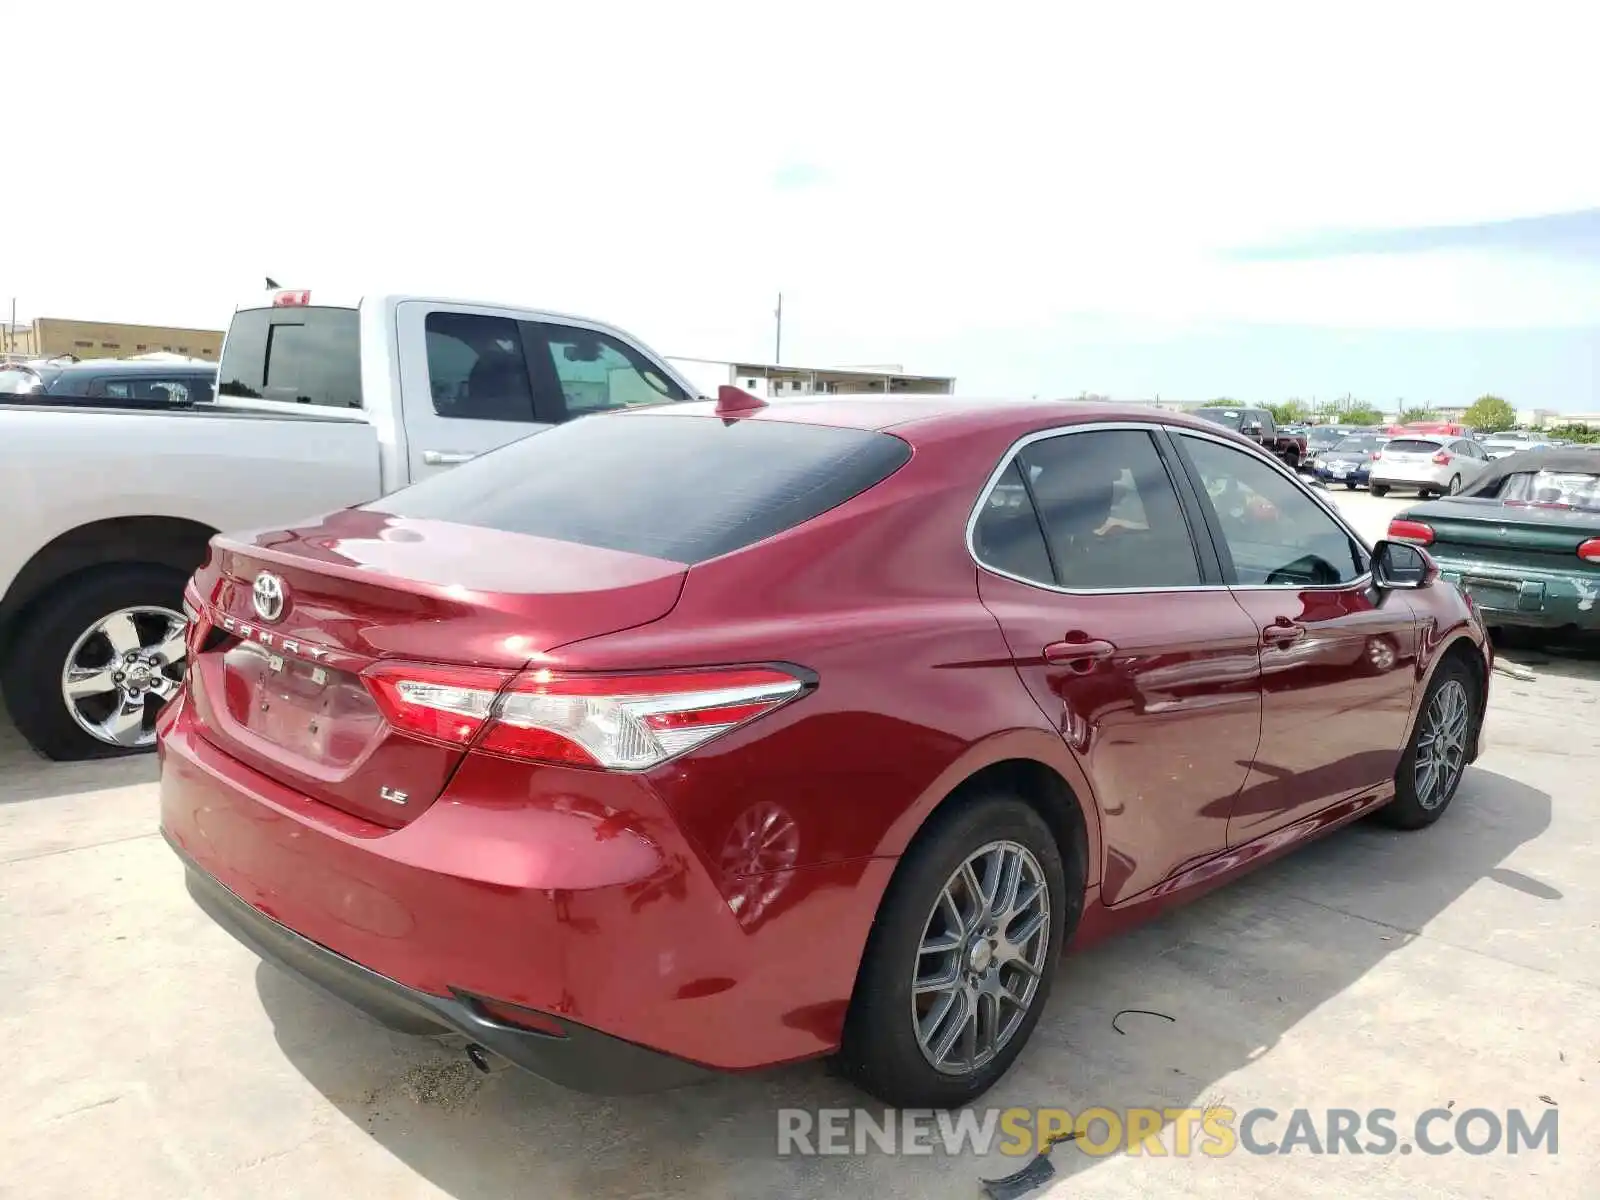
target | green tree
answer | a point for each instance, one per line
(1491, 414)
(1412, 415)
(1361, 414)
(1221, 402)
(1290, 412)
(1574, 432)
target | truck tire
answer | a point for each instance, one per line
(120, 628)
(1379, 489)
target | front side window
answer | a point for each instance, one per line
(597, 373)
(477, 370)
(1275, 533)
(1109, 512)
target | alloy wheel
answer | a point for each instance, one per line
(121, 670)
(981, 958)
(1442, 745)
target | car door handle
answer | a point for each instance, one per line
(447, 458)
(1078, 655)
(1283, 631)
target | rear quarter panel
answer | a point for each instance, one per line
(916, 688)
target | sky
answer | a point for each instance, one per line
(1257, 200)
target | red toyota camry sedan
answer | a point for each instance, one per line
(712, 737)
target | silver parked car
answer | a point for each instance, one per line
(1427, 464)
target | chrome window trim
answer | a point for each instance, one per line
(1172, 430)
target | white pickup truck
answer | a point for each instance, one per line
(321, 404)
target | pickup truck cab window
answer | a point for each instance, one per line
(300, 355)
(597, 373)
(477, 368)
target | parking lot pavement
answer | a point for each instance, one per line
(148, 1055)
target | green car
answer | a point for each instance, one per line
(1523, 542)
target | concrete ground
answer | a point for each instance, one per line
(148, 1055)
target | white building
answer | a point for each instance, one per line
(773, 381)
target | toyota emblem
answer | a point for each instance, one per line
(268, 596)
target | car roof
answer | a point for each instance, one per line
(926, 417)
(131, 366)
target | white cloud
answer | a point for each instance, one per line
(972, 168)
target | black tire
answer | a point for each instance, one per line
(1409, 809)
(880, 1051)
(1379, 489)
(31, 674)
(1455, 486)
(1349, 487)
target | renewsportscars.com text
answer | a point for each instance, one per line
(1162, 1132)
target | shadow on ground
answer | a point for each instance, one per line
(1236, 971)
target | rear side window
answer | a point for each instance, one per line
(299, 355)
(1411, 446)
(1098, 513)
(151, 388)
(684, 489)
(1110, 512)
(1006, 537)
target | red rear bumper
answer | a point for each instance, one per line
(566, 891)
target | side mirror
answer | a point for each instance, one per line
(1402, 566)
(1254, 428)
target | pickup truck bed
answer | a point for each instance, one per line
(319, 406)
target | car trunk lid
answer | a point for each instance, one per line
(277, 675)
(1500, 531)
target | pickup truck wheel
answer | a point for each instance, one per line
(91, 668)
(1380, 489)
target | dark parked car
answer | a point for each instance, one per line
(109, 379)
(1257, 424)
(1350, 461)
(1523, 541)
(817, 729)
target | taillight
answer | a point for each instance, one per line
(1375, 455)
(618, 722)
(1411, 531)
(291, 299)
(1441, 459)
(1590, 551)
(194, 634)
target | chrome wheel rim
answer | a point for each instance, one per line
(121, 670)
(1442, 746)
(1455, 484)
(981, 958)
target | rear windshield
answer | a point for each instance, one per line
(1412, 446)
(1360, 443)
(301, 355)
(16, 381)
(1573, 489)
(682, 488)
